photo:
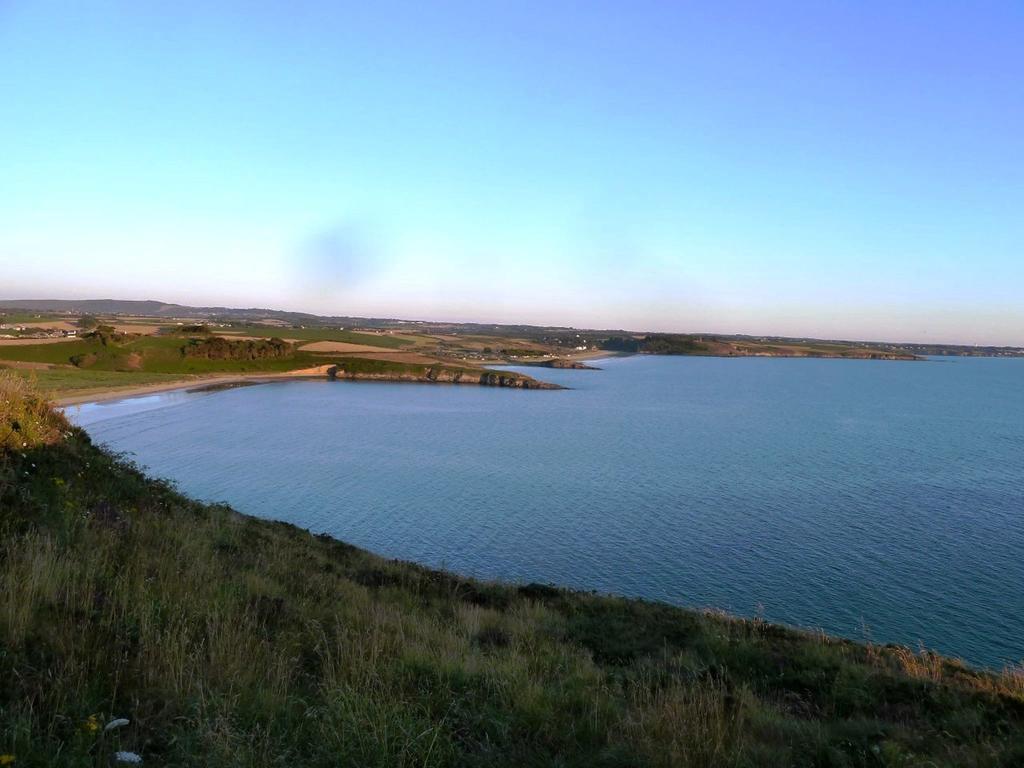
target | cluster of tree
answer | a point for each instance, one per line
(194, 329)
(621, 344)
(219, 348)
(655, 344)
(105, 334)
(671, 344)
(87, 322)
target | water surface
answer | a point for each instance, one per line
(879, 499)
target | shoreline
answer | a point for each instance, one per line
(201, 382)
(198, 383)
(217, 382)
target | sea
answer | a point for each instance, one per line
(876, 500)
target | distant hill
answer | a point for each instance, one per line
(147, 308)
(168, 309)
(618, 340)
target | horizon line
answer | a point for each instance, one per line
(848, 340)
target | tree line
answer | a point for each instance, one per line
(219, 348)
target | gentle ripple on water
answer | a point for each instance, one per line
(835, 494)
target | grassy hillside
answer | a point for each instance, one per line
(230, 641)
(152, 354)
(164, 354)
(69, 380)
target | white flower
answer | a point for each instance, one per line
(119, 722)
(128, 757)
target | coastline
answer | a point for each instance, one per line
(325, 372)
(106, 395)
(225, 381)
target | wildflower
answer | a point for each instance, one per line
(127, 757)
(6, 759)
(118, 722)
(91, 724)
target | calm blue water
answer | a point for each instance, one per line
(821, 493)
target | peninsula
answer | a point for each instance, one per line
(383, 370)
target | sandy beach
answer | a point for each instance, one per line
(108, 394)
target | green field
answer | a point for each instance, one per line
(365, 366)
(318, 334)
(19, 316)
(226, 640)
(58, 353)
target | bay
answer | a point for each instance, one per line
(873, 499)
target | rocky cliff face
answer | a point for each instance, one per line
(501, 379)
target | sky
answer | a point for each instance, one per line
(833, 169)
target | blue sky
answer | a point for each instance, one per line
(831, 169)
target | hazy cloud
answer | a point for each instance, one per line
(338, 260)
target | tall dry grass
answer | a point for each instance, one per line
(26, 418)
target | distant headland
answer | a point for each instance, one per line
(74, 349)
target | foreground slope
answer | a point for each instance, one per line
(231, 641)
